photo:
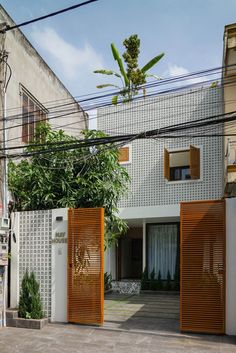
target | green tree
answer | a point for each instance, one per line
(79, 177)
(30, 306)
(133, 76)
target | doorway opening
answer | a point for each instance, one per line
(129, 255)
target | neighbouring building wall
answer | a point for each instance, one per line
(146, 167)
(230, 266)
(229, 81)
(30, 72)
(41, 246)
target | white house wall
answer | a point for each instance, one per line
(148, 186)
(110, 261)
(15, 285)
(59, 264)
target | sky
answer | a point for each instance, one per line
(76, 43)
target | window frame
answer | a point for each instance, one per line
(180, 168)
(183, 149)
(29, 122)
(130, 154)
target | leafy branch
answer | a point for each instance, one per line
(132, 77)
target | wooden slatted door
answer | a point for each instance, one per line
(202, 296)
(86, 266)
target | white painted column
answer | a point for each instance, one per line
(230, 266)
(59, 265)
(110, 261)
(15, 285)
(144, 245)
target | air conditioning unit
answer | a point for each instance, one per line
(4, 223)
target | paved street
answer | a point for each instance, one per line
(133, 324)
(56, 338)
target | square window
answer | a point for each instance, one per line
(182, 165)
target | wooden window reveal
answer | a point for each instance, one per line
(194, 162)
(124, 154)
(166, 164)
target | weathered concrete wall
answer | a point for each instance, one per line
(30, 71)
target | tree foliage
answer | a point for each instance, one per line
(80, 177)
(133, 76)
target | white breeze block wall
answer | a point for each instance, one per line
(148, 186)
(41, 246)
(33, 231)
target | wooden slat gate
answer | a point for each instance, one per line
(202, 298)
(85, 266)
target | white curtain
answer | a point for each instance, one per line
(162, 249)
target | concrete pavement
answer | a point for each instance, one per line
(56, 338)
(146, 323)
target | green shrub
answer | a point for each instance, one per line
(153, 281)
(144, 280)
(107, 280)
(30, 306)
(176, 281)
(159, 281)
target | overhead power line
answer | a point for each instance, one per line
(9, 28)
(162, 133)
(105, 104)
(125, 108)
(98, 98)
(171, 80)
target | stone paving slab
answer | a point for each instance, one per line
(153, 312)
(56, 338)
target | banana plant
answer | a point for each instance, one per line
(133, 76)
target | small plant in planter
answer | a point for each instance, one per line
(176, 281)
(168, 282)
(30, 305)
(159, 281)
(144, 280)
(107, 281)
(153, 281)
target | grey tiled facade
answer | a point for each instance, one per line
(148, 186)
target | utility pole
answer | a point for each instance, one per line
(4, 218)
(3, 69)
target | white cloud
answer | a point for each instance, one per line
(175, 70)
(70, 59)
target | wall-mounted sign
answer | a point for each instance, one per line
(60, 237)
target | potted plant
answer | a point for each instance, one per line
(30, 312)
